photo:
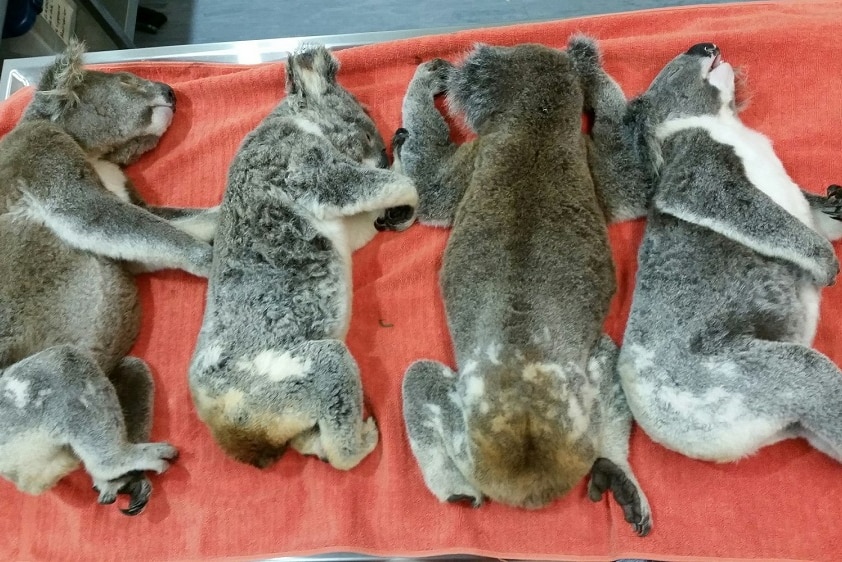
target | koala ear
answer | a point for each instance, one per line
(647, 146)
(473, 85)
(311, 71)
(56, 90)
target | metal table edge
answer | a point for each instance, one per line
(21, 72)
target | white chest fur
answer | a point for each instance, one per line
(347, 234)
(112, 177)
(762, 166)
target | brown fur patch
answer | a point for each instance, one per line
(528, 464)
(258, 439)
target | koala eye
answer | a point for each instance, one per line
(368, 138)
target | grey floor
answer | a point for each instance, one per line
(208, 21)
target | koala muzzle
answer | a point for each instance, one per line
(703, 50)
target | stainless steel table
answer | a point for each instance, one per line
(19, 73)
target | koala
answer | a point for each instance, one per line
(716, 361)
(306, 188)
(72, 230)
(527, 278)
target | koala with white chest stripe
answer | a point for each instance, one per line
(71, 230)
(527, 277)
(305, 190)
(716, 361)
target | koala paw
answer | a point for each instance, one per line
(370, 435)
(153, 456)
(134, 484)
(833, 204)
(584, 52)
(395, 218)
(606, 475)
(434, 74)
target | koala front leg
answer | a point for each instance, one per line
(91, 219)
(612, 471)
(197, 222)
(342, 189)
(435, 425)
(422, 148)
(133, 383)
(620, 177)
(756, 222)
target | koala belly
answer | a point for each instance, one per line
(54, 295)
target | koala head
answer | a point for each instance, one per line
(697, 82)
(496, 84)
(314, 94)
(115, 116)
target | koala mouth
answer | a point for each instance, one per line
(713, 62)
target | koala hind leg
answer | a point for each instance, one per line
(797, 383)
(134, 386)
(437, 432)
(612, 471)
(345, 438)
(84, 412)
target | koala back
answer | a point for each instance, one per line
(530, 228)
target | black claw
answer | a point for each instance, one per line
(465, 498)
(398, 139)
(139, 492)
(643, 527)
(833, 205)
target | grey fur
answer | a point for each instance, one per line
(527, 279)
(68, 306)
(716, 361)
(270, 366)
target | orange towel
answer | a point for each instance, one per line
(784, 503)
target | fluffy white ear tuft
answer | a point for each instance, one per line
(311, 71)
(60, 80)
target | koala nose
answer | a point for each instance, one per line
(169, 95)
(703, 50)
